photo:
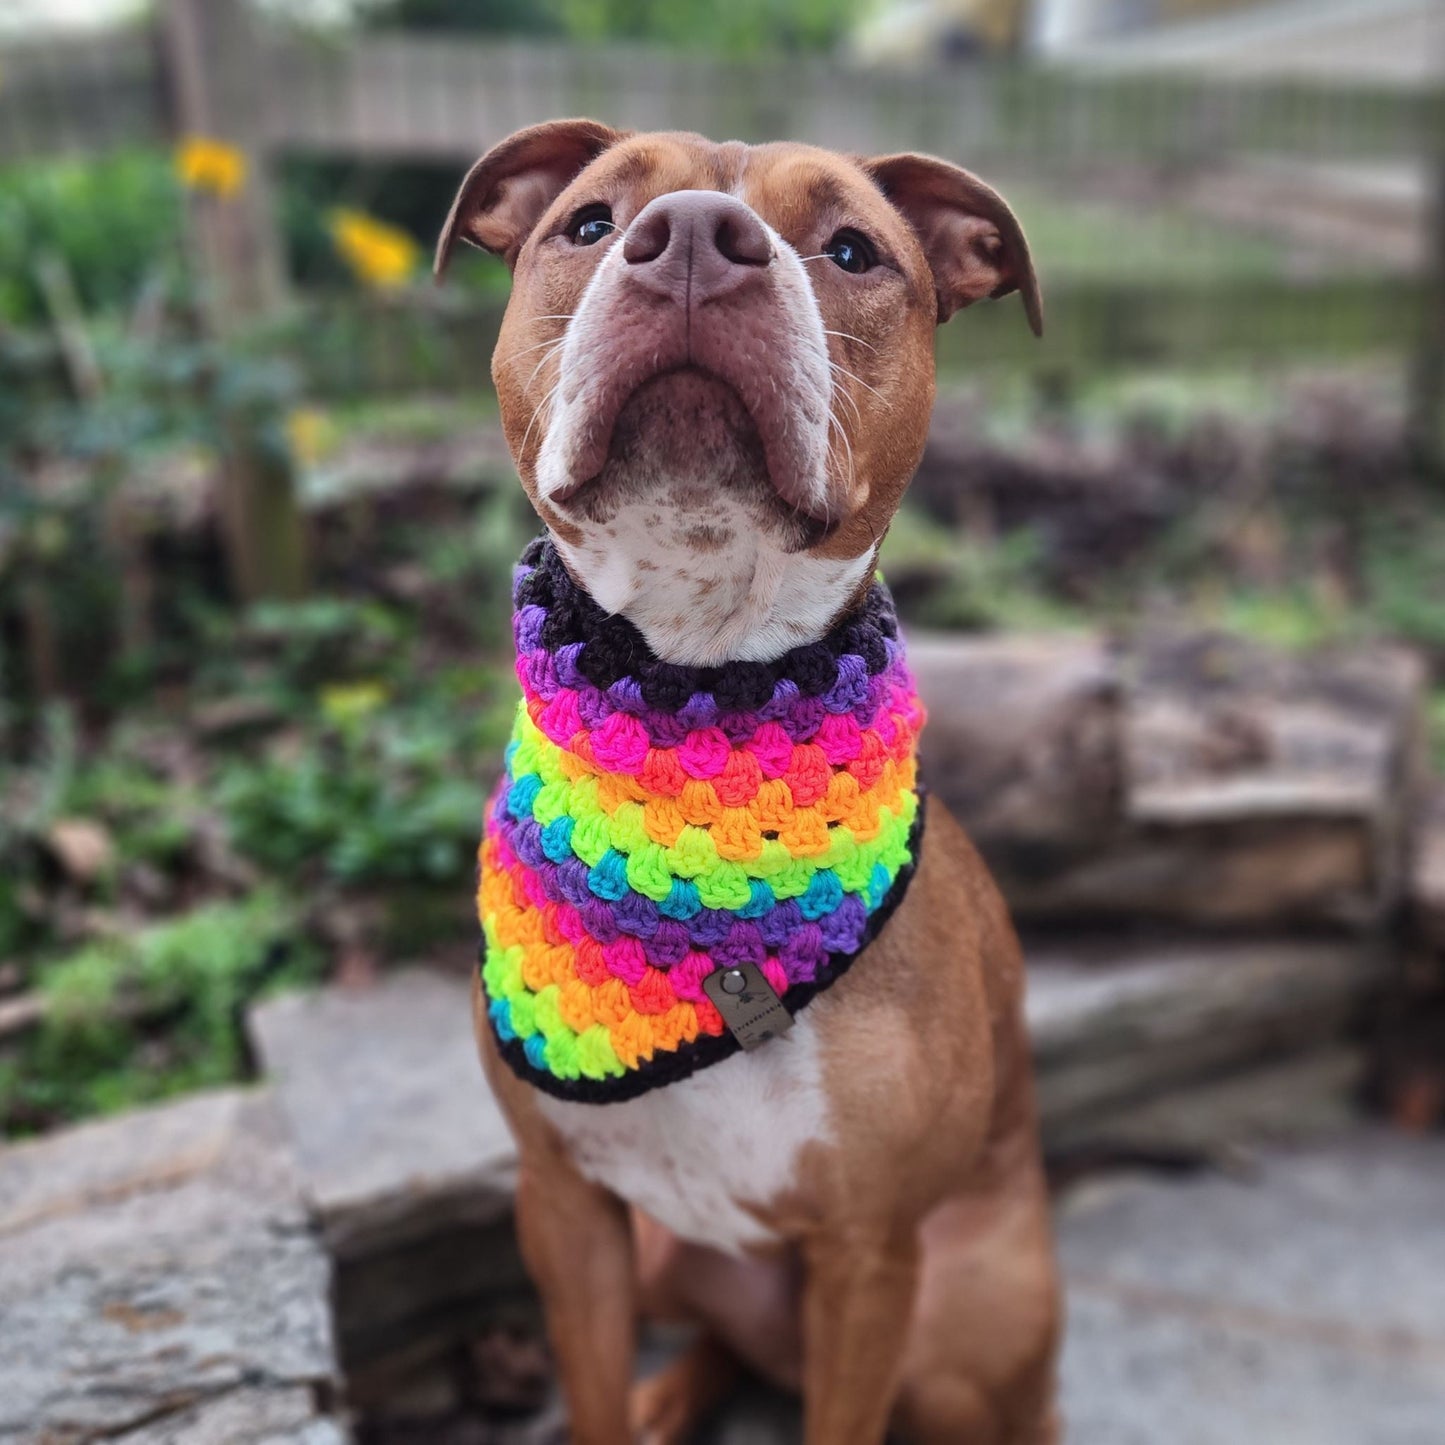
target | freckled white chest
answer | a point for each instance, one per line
(694, 1154)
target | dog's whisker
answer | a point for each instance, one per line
(843, 396)
(551, 392)
(848, 448)
(525, 350)
(546, 357)
(848, 336)
(843, 371)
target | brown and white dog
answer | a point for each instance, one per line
(715, 375)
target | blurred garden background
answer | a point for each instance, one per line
(1179, 569)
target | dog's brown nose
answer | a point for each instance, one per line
(694, 246)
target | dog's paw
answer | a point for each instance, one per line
(666, 1408)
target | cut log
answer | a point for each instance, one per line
(1427, 870)
(1198, 779)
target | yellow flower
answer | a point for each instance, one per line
(310, 435)
(382, 256)
(350, 702)
(204, 164)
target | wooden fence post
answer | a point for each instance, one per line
(215, 67)
(1427, 380)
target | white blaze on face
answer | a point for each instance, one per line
(691, 544)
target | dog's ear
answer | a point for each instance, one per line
(507, 191)
(974, 243)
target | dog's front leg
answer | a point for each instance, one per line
(857, 1302)
(577, 1242)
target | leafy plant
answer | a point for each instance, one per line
(1404, 568)
(373, 792)
(114, 222)
(137, 1018)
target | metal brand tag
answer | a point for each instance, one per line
(749, 1007)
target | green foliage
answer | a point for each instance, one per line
(479, 17)
(115, 223)
(741, 27)
(296, 647)
(1436, 724)
(1289, 617)
(371, 792)
(1404, 567)
(133, 1019)
(973, 585)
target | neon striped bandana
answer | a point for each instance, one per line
(656, 823)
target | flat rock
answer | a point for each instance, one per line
(1302, 1305)
(1228, 1121)
(1115, 1021)
(266, 1416)
(399, 1140)
(397, 1135)
(405, 1162)
(160, 1276)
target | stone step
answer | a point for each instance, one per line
(162, 1283)
(409, 1170)
(407, 1164)
(1300, 1304)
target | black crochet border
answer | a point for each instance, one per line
(668, 1068)
(613, 648)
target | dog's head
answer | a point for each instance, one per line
(716, 368)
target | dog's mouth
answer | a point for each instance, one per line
(683, 422)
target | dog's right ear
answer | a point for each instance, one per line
(507, 191)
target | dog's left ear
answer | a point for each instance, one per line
(974, 243)
(507, 192)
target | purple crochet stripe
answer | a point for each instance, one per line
(665, 940)
(801, 945)
(857, 692)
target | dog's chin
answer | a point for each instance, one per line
(685, 440)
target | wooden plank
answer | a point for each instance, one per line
(400, 95)
(366, 96)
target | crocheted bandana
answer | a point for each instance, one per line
(657, 822)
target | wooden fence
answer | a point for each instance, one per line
(208, 67)
(409, 96)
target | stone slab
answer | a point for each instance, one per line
(260, 1416)
(1228, 1121)
(399, 1140)
(1301, 1305)
(1300, 1308)
(157, 1269)
(396, 1132)
(1113, 1021)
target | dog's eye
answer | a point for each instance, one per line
(851, 251)
(590, 225)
